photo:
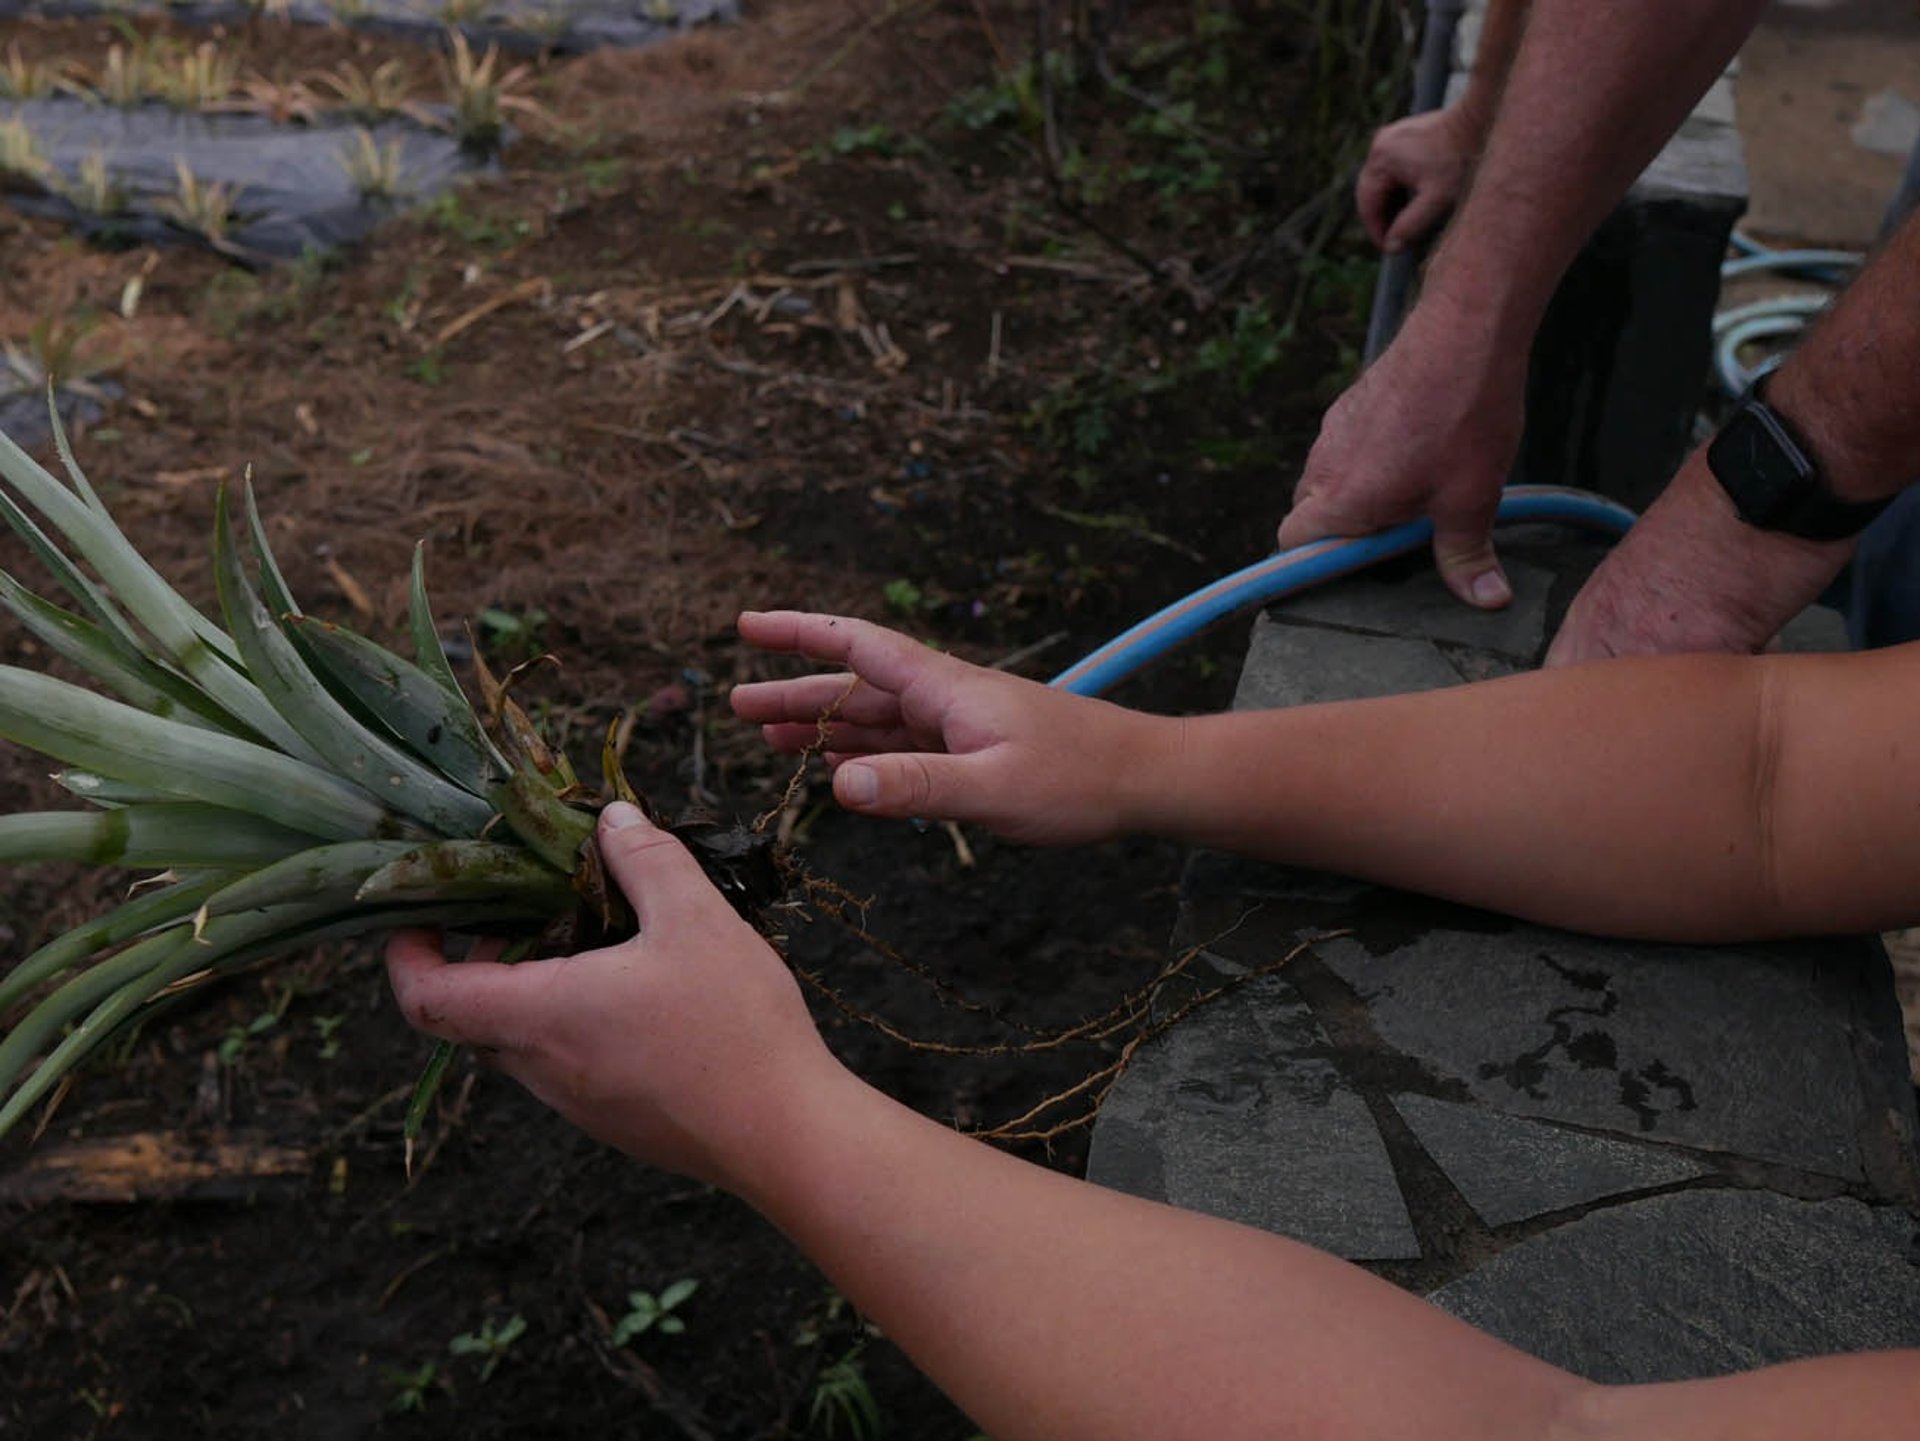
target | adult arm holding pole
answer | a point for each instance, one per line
(1417, 167)
(1432, 427)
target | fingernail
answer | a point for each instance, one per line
(860, 785)
(1392, 247)
(1490, 588)
(619, 815)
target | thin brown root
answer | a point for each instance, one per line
(796, 782)
(1105, 1079)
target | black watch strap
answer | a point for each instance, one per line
(1772, 480)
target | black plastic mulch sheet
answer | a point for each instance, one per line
(291, 187)
(23, 407)
(523, 26)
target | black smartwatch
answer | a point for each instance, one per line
(1773, 482)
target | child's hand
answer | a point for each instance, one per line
(688, 1046)
(912, 732)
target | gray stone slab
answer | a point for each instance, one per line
(1701, 1283)
(1421, 606)
(1289, 665)
(1510, 1169)
(1237, 1113)
(1717, 105)
(1704, 164)
(1747, 1052)
(1818, 628)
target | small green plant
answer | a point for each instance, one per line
(508, 634)
(842, 1402)
(448, 211)
(904, 597)
(233, 1048)
(479, 94)
(125, 77)
(370, 96)
(348, 12)
(1012, 99)
(51, 355)
(93, 188)
(201, 207)
(546, 26)
(463, 12)
(489, 1343)
(662, 12)
(22, 166)
(603, 175)
(411, 1389)
(429, 369)
(327, 1028)
(1252, 348)
(648, 1312)
(285, 102)
(196, 79)
(374, 169)
(875, 139)
(23, 79)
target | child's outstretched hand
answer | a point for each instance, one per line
(912, 732)
(688, 1046)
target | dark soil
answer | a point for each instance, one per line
(785, 314)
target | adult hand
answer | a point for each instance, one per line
(1415, 172)
(1430, 428)
(688, 1046)
(912, 732)
(1692, 576)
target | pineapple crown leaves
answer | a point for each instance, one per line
(293, 781)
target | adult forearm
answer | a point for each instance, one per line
(1692, 575)
(1493, 61)
(1593, 93)
(1849, 388)
(1688, 798)
(1048, 1308)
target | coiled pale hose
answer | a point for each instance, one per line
(1303, 567)
(1778, 318)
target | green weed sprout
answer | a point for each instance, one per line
(489, 1343)
(648, 1312)
(843, 1399)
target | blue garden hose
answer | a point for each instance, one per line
(1303, 567)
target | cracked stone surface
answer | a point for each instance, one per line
(1419, 605)
(1243, 1118)
(1744, 1052)
(1700, 1283)
(1601, 1151)
(1509, 1169)
(1299, 665)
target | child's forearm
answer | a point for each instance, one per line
(1050, 1308)
(1059, 1311)
(1686, 798)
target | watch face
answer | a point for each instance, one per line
(1760, 468)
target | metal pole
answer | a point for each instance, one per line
(1429, 91)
